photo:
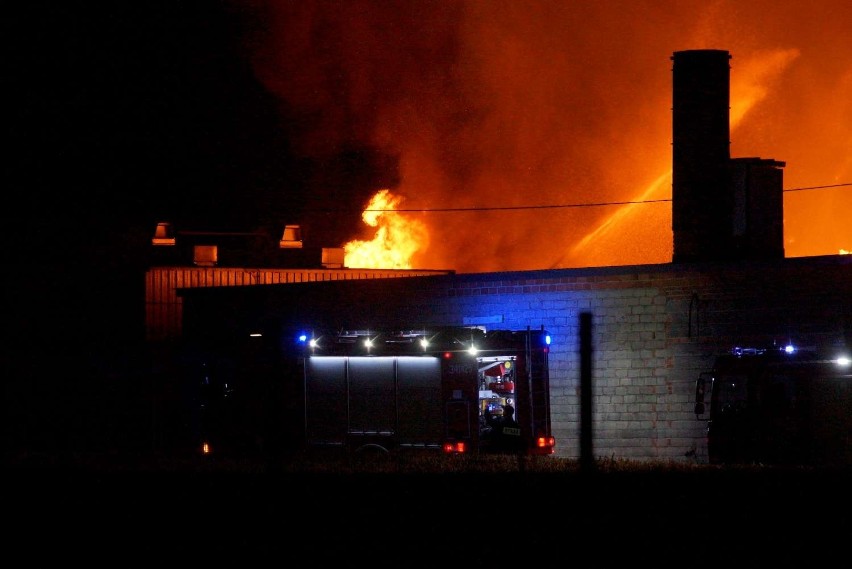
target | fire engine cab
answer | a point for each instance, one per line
(777, 406)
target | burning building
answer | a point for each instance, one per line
(655, 325)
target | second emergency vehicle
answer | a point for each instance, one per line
(778, 406)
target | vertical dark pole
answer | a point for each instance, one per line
(587, 458)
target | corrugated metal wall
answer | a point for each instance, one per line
(164, 308)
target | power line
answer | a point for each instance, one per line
(500, 208)
(818, 187)
(565, 206)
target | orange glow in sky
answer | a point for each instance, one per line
(493, 105)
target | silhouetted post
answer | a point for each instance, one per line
(587, 457)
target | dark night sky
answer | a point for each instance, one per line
(95, 124)
(145, 112)
(127, 114)
(118, 115)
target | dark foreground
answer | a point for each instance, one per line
(510, 515)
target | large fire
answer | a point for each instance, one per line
(396, 239)
(526, 127)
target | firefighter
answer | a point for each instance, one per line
(508, 432)
(509, 417)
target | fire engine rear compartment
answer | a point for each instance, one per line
(381, 402)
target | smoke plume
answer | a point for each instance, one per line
(493, 105)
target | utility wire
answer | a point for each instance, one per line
(500, 208)
(563, 206)
(818, 187)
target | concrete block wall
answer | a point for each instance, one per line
(655, 328)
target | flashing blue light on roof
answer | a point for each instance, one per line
(741, 351)
(303, 338)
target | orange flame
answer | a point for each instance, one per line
(397, 238)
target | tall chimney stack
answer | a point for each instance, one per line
(702, 200)
(722, 208)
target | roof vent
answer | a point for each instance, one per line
(163, 235)
(292, 238)
(206, 255)
(333, 257)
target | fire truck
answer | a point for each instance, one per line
(777, 406)
(448, 389)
